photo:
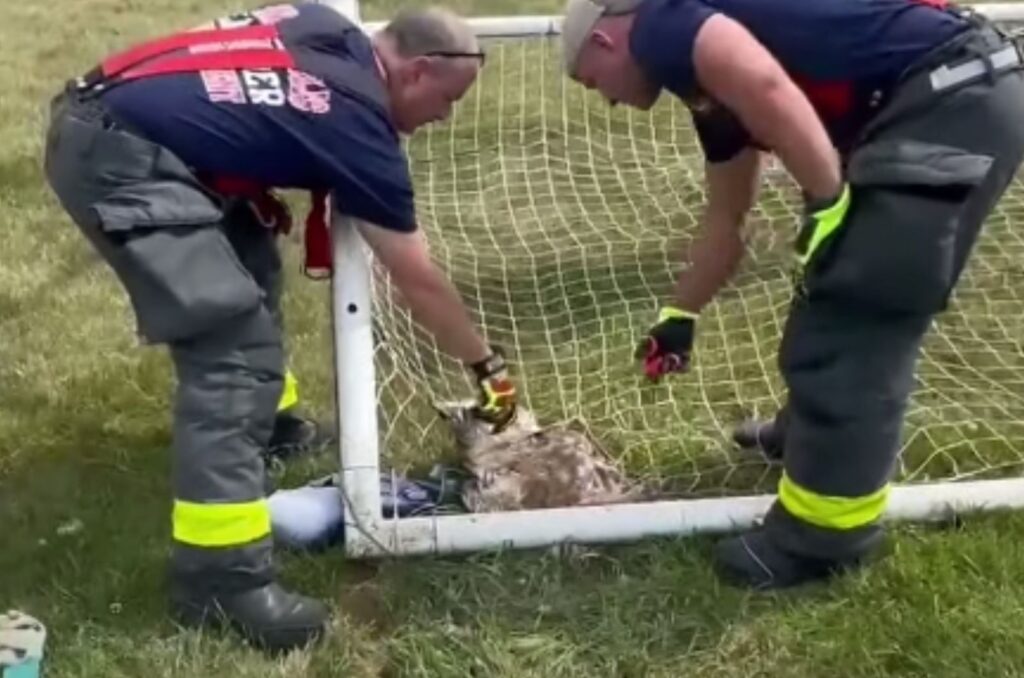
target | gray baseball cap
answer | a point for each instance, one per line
(580, 17)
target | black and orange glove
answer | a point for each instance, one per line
(668, 344)
(497, 403)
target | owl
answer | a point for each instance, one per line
(528, 466)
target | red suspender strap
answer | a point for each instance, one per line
(319, 262)
(248, 47)
(245, 48)
(251, 59)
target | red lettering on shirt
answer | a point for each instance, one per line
(223, 87)
(308, 93)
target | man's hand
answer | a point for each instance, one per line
(668, 344)
(437, 306)
(715, 255)
(497, 392)
(822, 218)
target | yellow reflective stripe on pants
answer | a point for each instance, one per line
(290, 394)
(220, 524)
(836, 513)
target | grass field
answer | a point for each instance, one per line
(557, 219)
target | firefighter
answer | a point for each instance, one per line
(901, 122)
(164, 155)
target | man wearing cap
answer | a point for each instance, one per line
(163, 156)
(902, 121)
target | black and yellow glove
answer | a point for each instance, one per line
(668, 344)
(821, 220)
(497, 403)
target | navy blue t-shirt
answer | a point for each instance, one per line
(321, 125)
(838, 51)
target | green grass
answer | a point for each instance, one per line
(555, 219)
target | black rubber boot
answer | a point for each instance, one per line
(296, 436)
(268, 617)
(786, 551)
(753, 561)
(764, 436)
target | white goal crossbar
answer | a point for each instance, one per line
(369, 534)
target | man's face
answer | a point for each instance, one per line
(606, 65)
(426, 88)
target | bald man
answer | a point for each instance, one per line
(164, 156)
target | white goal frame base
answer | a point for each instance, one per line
(368, 534)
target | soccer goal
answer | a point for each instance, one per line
(562, 222)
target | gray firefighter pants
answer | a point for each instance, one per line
(202, 278)
(926, 174)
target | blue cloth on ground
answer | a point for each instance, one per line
(312, 517)
(307, 517)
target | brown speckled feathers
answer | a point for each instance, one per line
(527, 466)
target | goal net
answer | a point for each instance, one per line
(563, 222)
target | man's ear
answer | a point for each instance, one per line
(415, 69)
(602, 40)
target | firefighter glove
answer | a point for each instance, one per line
(497, 393)
(821, 220)
(668, 344)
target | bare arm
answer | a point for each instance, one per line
(429, 294)
(717, 251)
(736, 70)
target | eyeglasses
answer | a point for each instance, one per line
(459, 55)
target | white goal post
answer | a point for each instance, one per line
(369, 534)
